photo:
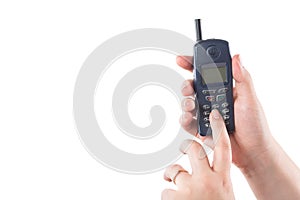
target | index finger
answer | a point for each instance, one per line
(186, 62)
(222, 149)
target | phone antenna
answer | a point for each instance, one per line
(198, 29)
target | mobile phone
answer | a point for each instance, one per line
(213, 81)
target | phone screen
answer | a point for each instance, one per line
(214, 73)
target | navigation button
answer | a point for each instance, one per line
(208, 91)
(210, 98)
(221, 97)
(222, 90)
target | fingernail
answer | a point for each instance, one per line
(186, 103)
(185, 146)
(215, 114)
(184, 84)
(216, 125)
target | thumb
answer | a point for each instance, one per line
(243, 82)
(222, 150)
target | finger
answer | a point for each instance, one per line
(234, 93)
(222, 149)
(243, 81)
(197, 156)
(168, 194)
(186, 62)
(188, 104)
(187, 88)
(189, 123)
(172, 172)
(208, 141)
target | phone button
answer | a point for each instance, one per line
(222, 90)
(206, 119)
(221, 97)
(207, 125)
(225, 117)
(208, 91)
(225, 111)
(206, 107)
(215, 106)
(210, 98)
(225, 104)
(205, 113)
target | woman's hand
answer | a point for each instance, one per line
(269, 171)
(205, 181)
(252, 137)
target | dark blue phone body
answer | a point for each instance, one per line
(213, 83)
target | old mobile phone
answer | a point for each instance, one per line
(212, 81)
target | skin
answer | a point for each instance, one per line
(254, 151)
(206, 181)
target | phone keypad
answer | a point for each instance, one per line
(216, 99)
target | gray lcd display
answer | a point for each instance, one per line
(212, 73)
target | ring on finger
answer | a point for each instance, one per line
(177, 173)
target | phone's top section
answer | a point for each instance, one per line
(212, 50)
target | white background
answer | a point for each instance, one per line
(43, 45)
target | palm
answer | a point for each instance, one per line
(249, 124)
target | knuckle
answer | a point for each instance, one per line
(175, 167)
(195, 147)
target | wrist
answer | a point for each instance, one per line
(263, 161)
(272, 174)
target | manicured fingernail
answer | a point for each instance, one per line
(189, 104)
(215, 114)
(186, 103)
(216, 125)
(185, 145)
(184, 85)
